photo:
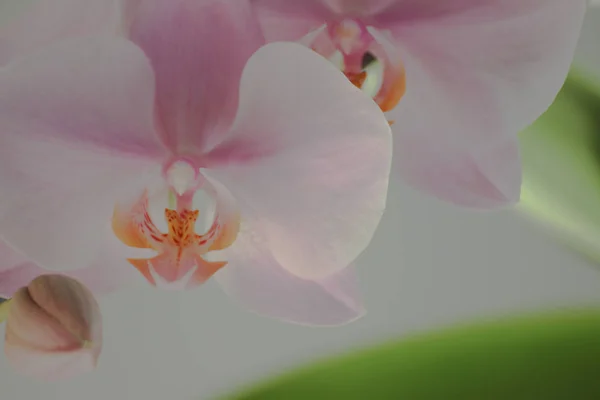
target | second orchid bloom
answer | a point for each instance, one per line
(177, 144)
(458, 78)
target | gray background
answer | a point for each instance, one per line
(430, 264)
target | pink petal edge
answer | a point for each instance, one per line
(255, 280)
(318, 185)
(103, 277)
(71, 105)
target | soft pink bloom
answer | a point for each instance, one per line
(460, 78)
(53, 329)
(182, 137)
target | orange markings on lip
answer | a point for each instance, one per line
(390, 96)
(357, 79)
(180, 249)
(181, 227)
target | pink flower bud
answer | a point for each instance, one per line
(53, 329)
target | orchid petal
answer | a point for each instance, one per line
(464, 157)
(476, 74)
(76, 92)
(104, 276)
(198, 50)
(358, 8)
(290, 20)
(16, 277)
(523, 48)
(312, 166)
(76, 136)
(100, 278)
(255, 280)
(45, 22)
(57, 216)
(109, 270)
(15, 271)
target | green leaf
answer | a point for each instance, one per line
(552, 356)
(561, 166)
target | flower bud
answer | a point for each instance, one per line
(53, 329)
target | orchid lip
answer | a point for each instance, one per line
(179, 261)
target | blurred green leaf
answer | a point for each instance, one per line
(552, 356)
(561, 166)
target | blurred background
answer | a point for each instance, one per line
(429, 265)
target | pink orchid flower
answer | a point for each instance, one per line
(459, 78)
(261, 165)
